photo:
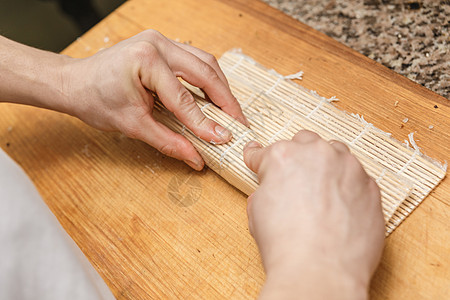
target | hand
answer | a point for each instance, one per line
(316, 218)
(111, 91)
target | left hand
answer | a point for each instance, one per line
(111, 90)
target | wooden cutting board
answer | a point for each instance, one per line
(153, 228)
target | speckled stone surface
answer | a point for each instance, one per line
(410, 37)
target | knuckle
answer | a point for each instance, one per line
(145, 51)
(306, 136)
(324, 149)
(279, 147)
(153, 34)
(200, 121)
(210, 59)
(208, 72)
(304, 132)
(340, 145)
(279, 151)
(185, 99)
(168, 149)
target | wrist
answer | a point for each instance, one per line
(79, 88)
(313, 282)
(68, 86)
(57, 82)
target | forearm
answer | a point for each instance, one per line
(31, 76)
(313, 283)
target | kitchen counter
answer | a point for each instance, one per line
(410, 37)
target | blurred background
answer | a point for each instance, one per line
(51, 24)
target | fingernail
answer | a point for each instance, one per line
(194, 164)
(222, 133)
(253, 144)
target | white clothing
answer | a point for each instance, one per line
(38, 260)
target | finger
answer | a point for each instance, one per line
(204, 76)
(204, 56)
(253, 155)
(168, 142)
(305, 137)
(339, 146)
(179, 100)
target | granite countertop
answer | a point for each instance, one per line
(410, 37)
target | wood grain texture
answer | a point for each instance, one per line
(155, 229)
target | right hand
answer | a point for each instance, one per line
(316, 218)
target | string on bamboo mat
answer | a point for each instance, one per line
(277, 108)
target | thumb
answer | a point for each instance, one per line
(253, 154)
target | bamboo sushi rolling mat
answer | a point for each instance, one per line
(277, 108)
